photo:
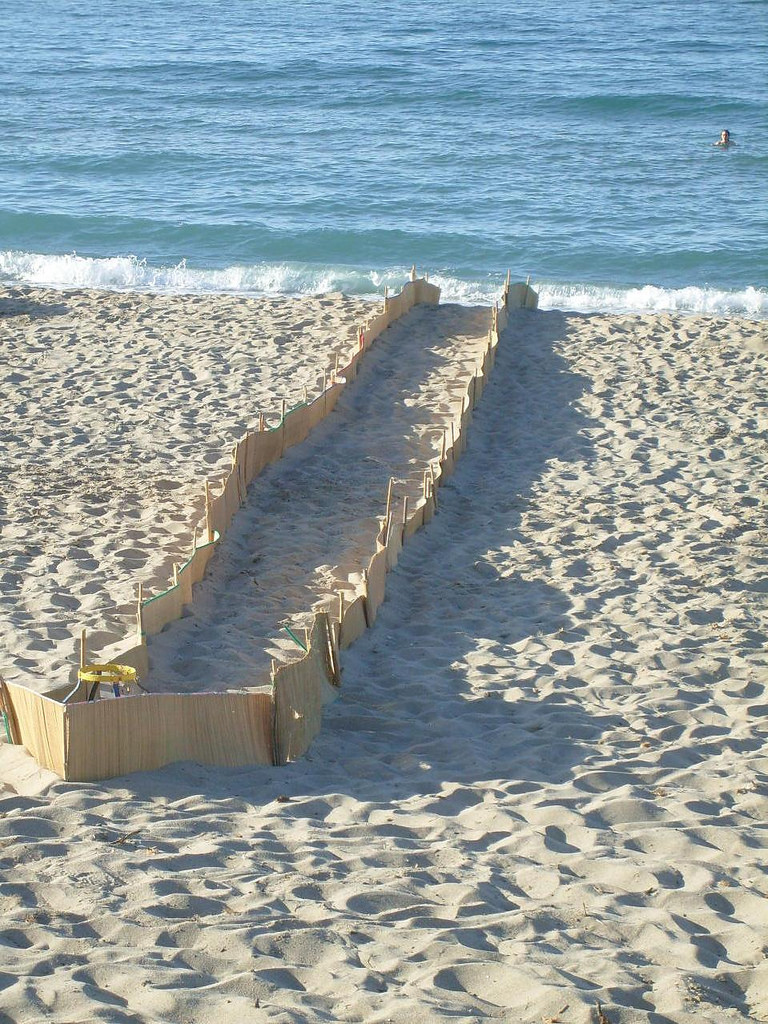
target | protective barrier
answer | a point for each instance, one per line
(258, 449)
(299, 690)
(85, 740)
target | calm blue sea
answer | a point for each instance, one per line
(298, 146)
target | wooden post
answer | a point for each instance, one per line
(336, 368)
(442, 449)
(175, 574)
(366, 613)
(10, 713)
(247, 458)
(390, 490)
(341, 606)
(432, 483)
(83, 649)
(387, 528)
(413, 272)
(236, 471)
(282, 426)
(333, 654)
(405, 516)
(140, 612)
(262, 422)
(208, 512)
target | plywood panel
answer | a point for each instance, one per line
(298, 690)
(377, 582)
(158, 611)
(126, 734)
(40, 722)
(353, 623)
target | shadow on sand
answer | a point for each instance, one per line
(408, 712)
(15, 302)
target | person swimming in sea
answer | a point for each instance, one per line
(725, 140)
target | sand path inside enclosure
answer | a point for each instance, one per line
(545, 784)
(115, 409)
(311, 519)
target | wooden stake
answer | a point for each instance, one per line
(442, 449)
(366, 613)
(140, 612)
(83, 649)
(208, 512)
(333, 657)
(413, 272)
(10, 712)
(341, 606)
(262, 422)
(390, 489)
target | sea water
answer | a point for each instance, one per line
(300, 146)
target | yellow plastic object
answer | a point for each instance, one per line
(112, 674)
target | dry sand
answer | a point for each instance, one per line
(115, 409)
(311, 521)
(544, 787)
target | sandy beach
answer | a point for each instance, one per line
(117, 407)
(542, 793)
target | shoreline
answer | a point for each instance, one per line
(749, 302)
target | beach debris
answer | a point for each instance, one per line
(558, 1017)
(123, 839)
(601, 1017)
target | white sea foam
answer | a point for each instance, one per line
(129, 273)
(748, 302)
